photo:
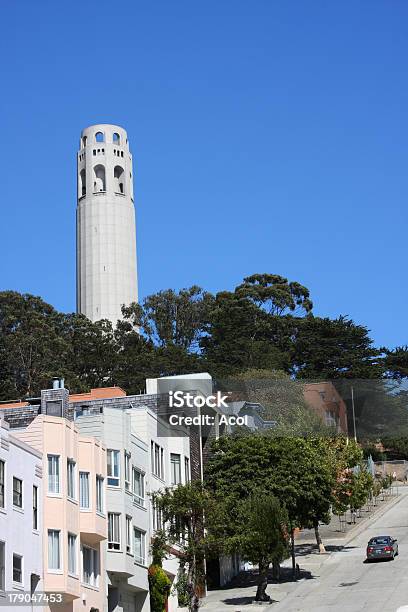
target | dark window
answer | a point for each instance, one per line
(82, 177)
(2, 464)
(54, 408)
(17, 569)
(35, 507)
(99, 180)
(2, 566)
(17, 492)
(118, 174)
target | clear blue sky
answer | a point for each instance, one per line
(267, 136)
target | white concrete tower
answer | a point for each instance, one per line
(106, 225)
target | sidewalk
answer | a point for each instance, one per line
(332, 531)
(239, 595)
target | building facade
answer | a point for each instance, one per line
(326, 401)
(74, 524)
(144, 456)
(127, 506)
(21, 516)
(106, 225)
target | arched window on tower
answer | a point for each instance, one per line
(82, 182)
(84, 139)
(99, 137)
(116, 138)
(119, 175)
(99, 178)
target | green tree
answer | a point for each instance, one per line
(31, 347)
(176, 318)
(326, 348)
(295, 470)
(262, 538)
(361, 488)
(275, 294)
(241, 335)
(90, 355)
(396, 362)
(183, 509)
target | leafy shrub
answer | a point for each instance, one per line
(159, 587)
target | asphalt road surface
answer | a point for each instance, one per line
(346, 584)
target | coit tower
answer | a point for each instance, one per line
(106, 225)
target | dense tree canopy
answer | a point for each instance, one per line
(266, 323)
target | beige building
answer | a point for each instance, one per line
(74, 512)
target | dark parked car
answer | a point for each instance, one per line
(382, 547)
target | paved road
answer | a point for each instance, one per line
(344, 583)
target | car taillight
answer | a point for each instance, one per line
(387, 548)
(370, 549)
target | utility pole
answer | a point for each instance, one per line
(354, 414)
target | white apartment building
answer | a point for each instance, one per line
(127, 506)
(169, 465)
(21, 559)
(142, 457)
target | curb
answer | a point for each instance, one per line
(357, 529)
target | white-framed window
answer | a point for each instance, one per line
(138, 486)
(17, 492)
(157, 515)
(2, 483)
(100, 501)
(127, 471)
(54, 484)
(72, 554)
(90, 566)
(175, 463)
(84, 501)
(157, 455)
(139, 546)
(113, 467)
(54, 549)
(71, 480)
(128, 534)
(187, 475)
(113, 531)
(17, 568)
(2, 566)
(35, 507)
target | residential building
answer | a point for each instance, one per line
(252, 412)
(127, 502)
(137, 436)
(143, 456)
(21, 516)
(74, 522)
(169, 465)
(327, 402)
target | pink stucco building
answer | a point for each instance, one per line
(74, 512)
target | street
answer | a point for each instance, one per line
(344, 583)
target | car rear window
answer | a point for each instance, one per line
(380, 541)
